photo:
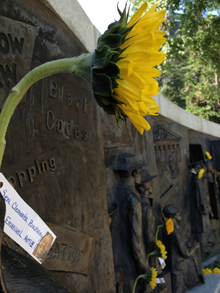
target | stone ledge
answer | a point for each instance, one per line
(178, 115)
(212, 285)
(76, 19)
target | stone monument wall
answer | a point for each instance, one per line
(62, 149)
(54, 153)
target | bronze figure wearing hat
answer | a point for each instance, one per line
(127, 237)
(127, 161)
(148, 218)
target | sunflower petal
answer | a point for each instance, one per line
(137, 15)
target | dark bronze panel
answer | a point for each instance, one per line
(54, 150)
(71, 251)
(66, 110)
(215, 148)
(16, 49)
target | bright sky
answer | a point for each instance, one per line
(102, 12)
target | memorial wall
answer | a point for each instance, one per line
(69, 161)
(54, 154)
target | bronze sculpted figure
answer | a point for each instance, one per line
(128, 247)
(180, 252)
(202, 195)
(148, 218)
(210, 170)
(201, 222)
(173, 164)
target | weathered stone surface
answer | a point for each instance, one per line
(54, 152)
(76, 19)
(61, 153)
(71, 251)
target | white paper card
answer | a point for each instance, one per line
(160, 280)
(162, 262)
(23, 225)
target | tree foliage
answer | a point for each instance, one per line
(191, 72)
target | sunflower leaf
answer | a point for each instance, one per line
(113, 41)
(112, 70)
(114, 83)
(102, 56)
(102, 84)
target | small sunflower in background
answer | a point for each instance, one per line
(201, 173)
(153, 278)
(161, 249)
(216, 271)
(208, 156)
(169, 226)
(206, 271)
(150, 277)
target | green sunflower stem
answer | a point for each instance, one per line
(149, 254)
(71, 65)
(158, 228)
(135, 283)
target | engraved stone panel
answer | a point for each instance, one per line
(53, 155)
(16, 49)
(166, 142)
(71, 251)
(161, 133)
(66, 109)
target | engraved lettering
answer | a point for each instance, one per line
(16, 45)
(52, 164)
(9, 74)
(84, 135)
(59, 125)
(50, 116)
(85, 106)
(44, 166)
(64, 246)
(68, 128)
(76, 132)
(53, 89)
(38, 167)
(69, 100)
(78, 256)
(49, 253)
(69, 253)
(11, 180)
(32, 173)
(74, 254)
(77, 104)
(21, 177)
(4, 45)
(61, 93)
(56, 251)
(81, 253)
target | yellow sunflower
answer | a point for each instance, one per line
(216, 271)
(169, 226)
(162, 249)
(153, 278)
(209, 157)
(200, 174)
(206, 271)
(123, 66)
